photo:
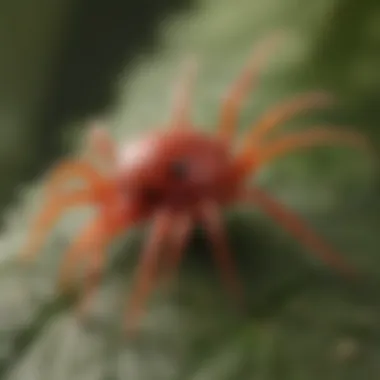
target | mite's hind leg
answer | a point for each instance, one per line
(148, 266)
(211, 220)
(299, 228)
(239, 90)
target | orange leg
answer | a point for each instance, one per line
(182, 96)
(298, 228)
(69, 170)
(90, 246)
(212, 221)
(91, 242)
(58, 198)
(99, 147)
(310, 138)
(179, 236)
(44, 221)
(239, 90)
(291, 142)
(148, 268)
(283, 112)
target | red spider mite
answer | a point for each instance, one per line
(177, 177)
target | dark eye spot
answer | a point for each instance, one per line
(179, 169)
(151, 195)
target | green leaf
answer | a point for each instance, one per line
(303, 321)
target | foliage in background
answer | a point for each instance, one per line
(58, 65)
(303, 321)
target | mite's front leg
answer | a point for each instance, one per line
(211, 219)
(148, 268)
(177, 241)
(90, 246)
(59, 197)
(90, 240)
(46, 219)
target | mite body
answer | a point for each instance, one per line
(177, 177)
(178, 169)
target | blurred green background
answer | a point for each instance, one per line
(64, 63)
